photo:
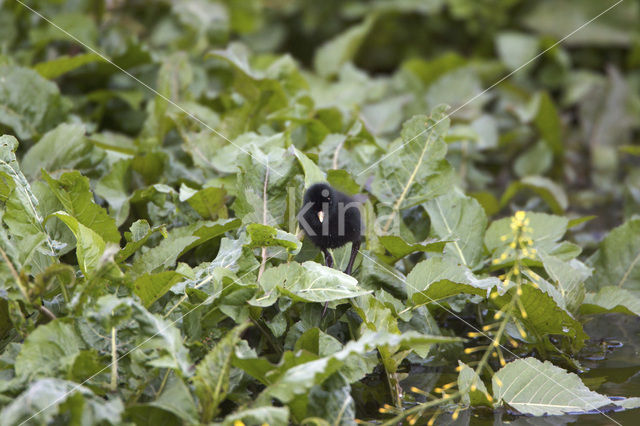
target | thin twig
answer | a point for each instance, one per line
(114, 361)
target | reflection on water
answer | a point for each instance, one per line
(611, 364)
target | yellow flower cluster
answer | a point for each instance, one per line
(521, 244)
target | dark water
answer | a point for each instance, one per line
(611, 361)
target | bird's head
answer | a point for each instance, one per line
(320, 195)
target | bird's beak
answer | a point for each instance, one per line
(321, 216)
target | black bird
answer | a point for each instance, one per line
(331, 219)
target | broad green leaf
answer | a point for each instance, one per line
(456, 88)
(49, 350)
(159, 339)
(114, 187)
(176, 398)
(436, 278)
(138, 235)
(617, 261)
(212, 374)
(179, 241)
(29, 104)
(549, 191)
(260, 415)
(399, 248)
(537, 160)
(342, 181)
(536, 388)
(554, 19)
(300, 378)
(342, 48)
(462, 220)
(429, 70)
(544, 315)
(151, 287)
(209, 203)
(473, 388)
(21, 215)
(63, 64)
(611, 299)
(516, 49)
(47, 400)
(89, 244)
(74, 192)
(569, 278)
(267, 236)
(312, 173)
(414, 169)
(61, 148)
(307, 282)
(283, 184)
(548, 123)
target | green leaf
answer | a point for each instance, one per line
(545, 315)
(549, 191)
(212, 374)
(436, 278)
(74, 192)
(138, 235)
(342, 48)
(21, 215)
(89, 244)
(179, 241)
(158, 339)
(48, 351)
(468, 380)
(209, 203)
(260, 415)
(298, 379)
(61, 148)
(176, 398)
(569, 278)
(414, 169)
(516, 49)
(399, 248)
(63, 64)
(462, 220)
(29, 104)
(312, 173)
(342, 181)
(537, 160)
(267, 236)
(307, 282)
(617, 261)
(611, 299)
(536, 388)
(114, 188)
(49, 399)
(548, 123)
(151, 287)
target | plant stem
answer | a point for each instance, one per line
(114, 361)
(263, 262)
(420, 407)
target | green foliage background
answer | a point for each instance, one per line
(149, 218)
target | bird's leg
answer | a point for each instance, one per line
(328, 260)
(355, 247)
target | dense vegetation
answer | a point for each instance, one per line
(153, 160)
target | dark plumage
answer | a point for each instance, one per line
(331, 219)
